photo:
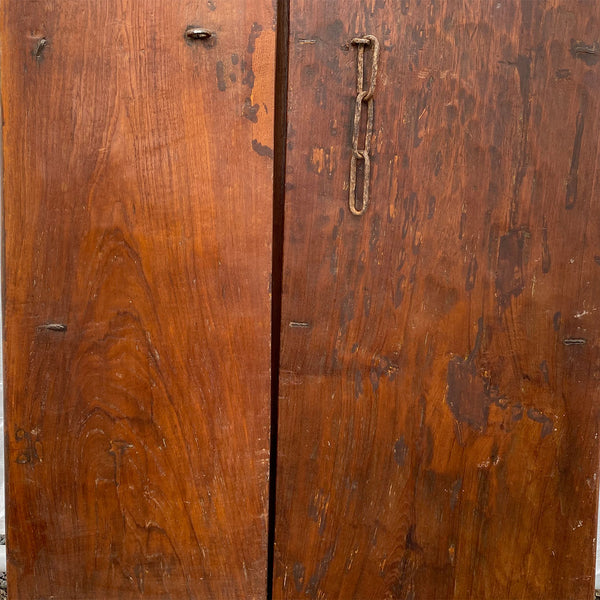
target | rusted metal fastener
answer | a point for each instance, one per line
(197, 33)
(53, 327)
(364, 96)
(39, 48)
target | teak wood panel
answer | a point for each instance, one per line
(137, 211)
(440, 361)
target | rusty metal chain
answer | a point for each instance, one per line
(363, 97)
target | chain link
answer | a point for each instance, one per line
(363, 97)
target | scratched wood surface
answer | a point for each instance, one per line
(137, 210)
(440, 358)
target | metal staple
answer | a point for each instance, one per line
(363, 97)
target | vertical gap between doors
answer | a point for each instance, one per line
(279, 154)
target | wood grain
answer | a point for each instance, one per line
(440, 358)
(137, 211)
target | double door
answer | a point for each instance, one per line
(221, 382)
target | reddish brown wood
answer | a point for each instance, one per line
(440, 358)
(137, 211)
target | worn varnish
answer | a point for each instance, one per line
(440, 358)
(137, 211)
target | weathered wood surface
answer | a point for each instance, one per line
(137, 210)
(440, 356)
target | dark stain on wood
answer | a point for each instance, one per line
(546, 257)
(431, 207)
(468, 393)
(455, 493)
(358, 385)
(410, 541)
(254, 35)
(471, 274)
(571, 196)
(312, 589)
(248, 79)
(523, 66)
(556, 321)
(545, 372)
(398, 291)
(250, 111)
(262, 150)
(539, 417)
(400, 451)
(221, 83)
(509, 272)
(298, 574)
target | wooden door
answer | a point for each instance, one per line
(137, 211)
(440, 360)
